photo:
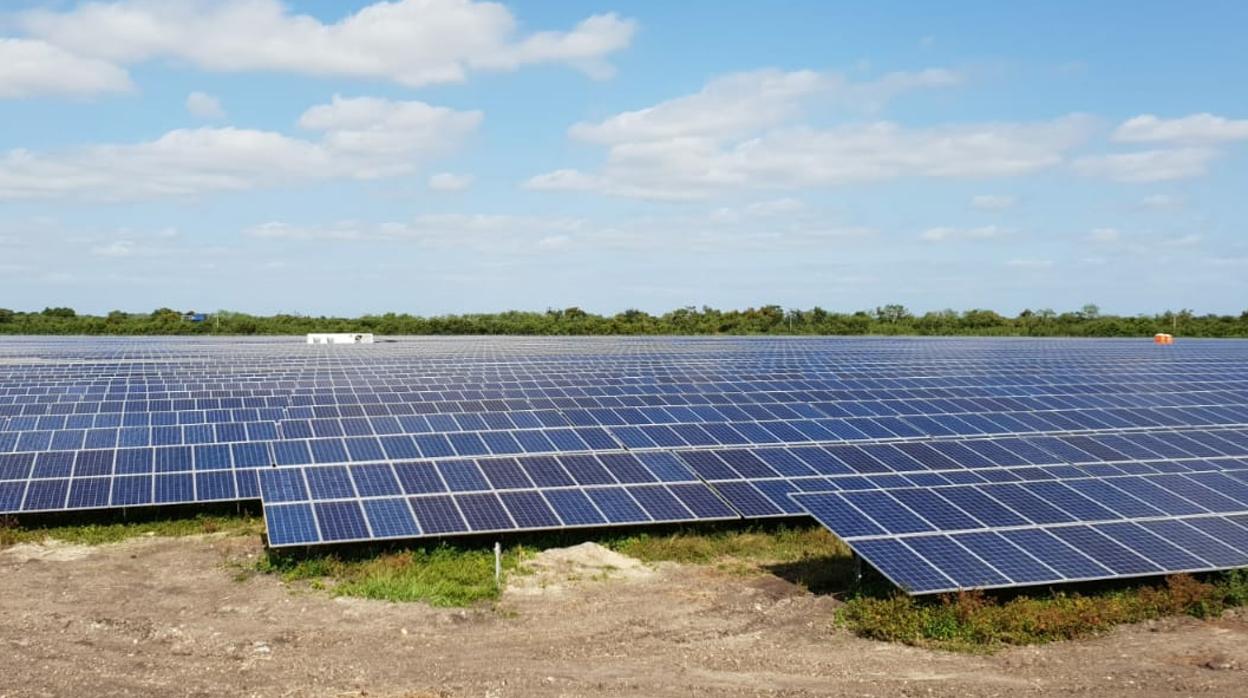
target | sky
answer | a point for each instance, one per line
(451, 156)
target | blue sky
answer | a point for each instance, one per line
(440, 156)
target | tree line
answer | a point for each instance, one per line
(1088, 321)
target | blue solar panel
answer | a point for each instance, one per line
(375, 480)
(1104, 550)
(331, 482)
(616, 505)
(11, 494)
(290, 524)
(777, 491)
(903, 566)
(529, 510)
(340, 521)
(175, 488)
(132, 491)
(1009, 559)
(415, 478)
(1151, 547)
(947, 437)
(390, 518)
(484, 512)
(215, 485)
(703, 503)
(438, 514)
(574, 507)
(506, 473)
(957, 563)
(88, 493)
(248, 482)
(542, 471)
(282, 485)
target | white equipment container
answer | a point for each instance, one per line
(340, 338)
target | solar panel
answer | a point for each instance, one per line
(1081, 454)
(461, 497)
(959, 537)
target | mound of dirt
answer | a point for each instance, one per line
(554, 570)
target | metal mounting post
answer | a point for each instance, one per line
(498, 564)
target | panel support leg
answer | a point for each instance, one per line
(498, 565)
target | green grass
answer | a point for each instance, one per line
(978, 622)
(12, 533)
(443, 576)
(752, 543)
(453, 575)
(809, 556)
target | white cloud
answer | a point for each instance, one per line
(30, 68)
(945, 233)
(500, 233)
(554, 242)
(117, 248)
(691, 168)
(729, 106)
(1105, 235)
(411, 42)
(447, 181)
(480, 232)
(1162, 201)
(127, 242)
(361, 138)
(737, 104)
(990, 202)
(1189, 148)
(738, 132)
(774, 207)
(1188, 240)
(1033, 264)
(278, 230)
(1142, 243)
(1193, 129)
(782, 208)
(204, 106)
(1148, 165)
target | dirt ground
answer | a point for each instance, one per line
(167, 617)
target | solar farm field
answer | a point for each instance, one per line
(945, 464)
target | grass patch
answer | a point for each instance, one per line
(756, 544)
(463, 575)
(809, 556)
(11, 532)
(443, 576)
(979, 622)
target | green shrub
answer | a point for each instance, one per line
(976, 621)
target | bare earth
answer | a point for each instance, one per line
(170, 617)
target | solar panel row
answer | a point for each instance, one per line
(929, 454)
(1045, 554)
(771, 471)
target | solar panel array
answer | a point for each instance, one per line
(945, 463)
